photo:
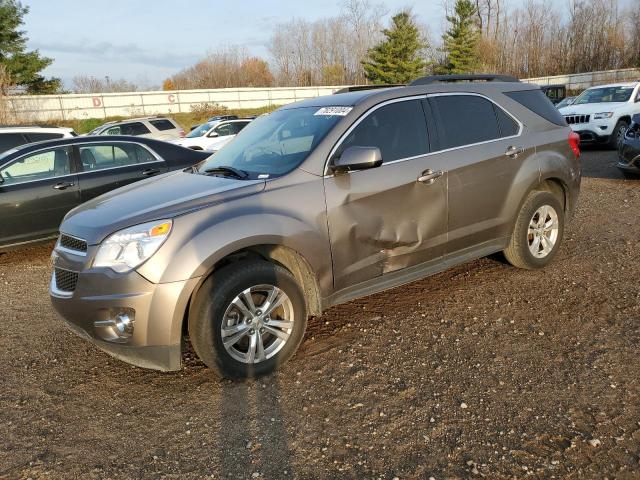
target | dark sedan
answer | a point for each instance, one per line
(41, 182)
(629, 153)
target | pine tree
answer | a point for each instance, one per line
(22, 66)
(397, 58)
(461, 40)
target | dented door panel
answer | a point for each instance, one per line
(382, 220)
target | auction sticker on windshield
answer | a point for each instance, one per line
(331, 111)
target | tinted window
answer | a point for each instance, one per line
(100, 157)
(508, 126)
(39, 137)
(538, 103)
(399, 130)
(10, 140)
(38, 166)
(162, 124)
(135, 128)
(238, 126)
(464, 120)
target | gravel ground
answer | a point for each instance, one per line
(483, 370)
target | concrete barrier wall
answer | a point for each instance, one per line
(100, 105)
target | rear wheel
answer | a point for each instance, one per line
(537, 233)
(247, 319)
(617, 136)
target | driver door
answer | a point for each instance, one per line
(386, 219)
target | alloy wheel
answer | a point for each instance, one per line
(543, 231)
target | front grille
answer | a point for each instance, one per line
(573, 119)
(73, 243)
(66, 280)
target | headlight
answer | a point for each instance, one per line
(600, 116)
(125, 250)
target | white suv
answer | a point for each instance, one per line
(602, 114)
(212, 136)
(11, 137)
(160, 128)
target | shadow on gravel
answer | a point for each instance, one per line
(253, 440)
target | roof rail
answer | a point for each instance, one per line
(487, 77)
(357, 88)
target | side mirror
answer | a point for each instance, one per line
(213, 134)
(357, 158)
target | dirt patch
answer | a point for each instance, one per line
(483, 370)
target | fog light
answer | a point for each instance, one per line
(119, 328)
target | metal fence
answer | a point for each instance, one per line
(101, 105)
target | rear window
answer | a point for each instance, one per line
(162, 124)
(538, 103)
(39, 137)
(10, 140)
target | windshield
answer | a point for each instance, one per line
(604, 94)
(275, 144)
(200, 130)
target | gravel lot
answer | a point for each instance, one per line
(483, 370)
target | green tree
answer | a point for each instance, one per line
(22, 66)
(399, 57)
(461, 40)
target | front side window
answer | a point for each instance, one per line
(100, 157)
(398, 129)
(38, 166)
(225, 130)
(465, 120)
(275, 144)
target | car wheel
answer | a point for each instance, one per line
(617, 136)
(247, 319)
(537, 233)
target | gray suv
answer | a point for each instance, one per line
(313, 205)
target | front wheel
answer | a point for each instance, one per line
(617, 136)
(247, 319)
(537, 233)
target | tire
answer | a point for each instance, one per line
(630, 175)
(520, 251)
(618, 134)
(212, 308)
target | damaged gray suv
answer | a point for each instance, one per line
(313, 205)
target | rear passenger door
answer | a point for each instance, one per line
(106, 166)
(483, 150)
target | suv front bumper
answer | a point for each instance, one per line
(101, 295)
(594, 132)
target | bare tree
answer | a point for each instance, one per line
(89, 84)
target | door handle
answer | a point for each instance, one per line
(150, 171)
(429, 176)
(513, 152)
(63, 185)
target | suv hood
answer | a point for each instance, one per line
(591, 108)
(164, 196)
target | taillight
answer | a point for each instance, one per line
(574, 143)
(181, 133)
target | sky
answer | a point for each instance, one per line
(146, 41)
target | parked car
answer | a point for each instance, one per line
(11, 137)
(555, 93)
(217, 118)
(212, 135)
(41, 182)
(318, 203)
(565, 102)
(629, 153)
(602, 114)
(160, 128)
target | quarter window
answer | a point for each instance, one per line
(162, 124)
(38, 166)
(465, 120)
(10, 140)
(398, 129)
(100, 157)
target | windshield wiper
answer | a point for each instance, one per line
(231, 171)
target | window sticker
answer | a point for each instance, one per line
(334, 111)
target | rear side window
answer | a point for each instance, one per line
(398, 129)
(135, 128)
(100, 157)
(162, 124)
(39, 137)
(465, 120)
(538, 103)
(10, 140)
